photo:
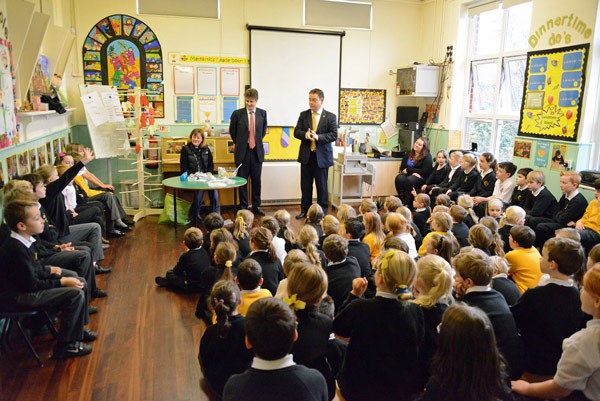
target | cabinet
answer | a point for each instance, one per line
(418, 80)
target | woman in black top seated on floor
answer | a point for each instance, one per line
(414, 170)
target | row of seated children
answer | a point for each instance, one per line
(50, 265)
(331, 245)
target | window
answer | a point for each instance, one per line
(497, 60)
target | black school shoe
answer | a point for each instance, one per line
(71, 350)
(89, 335)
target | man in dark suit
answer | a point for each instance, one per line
(316, 129)
(247, 128)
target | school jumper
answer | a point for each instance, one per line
(545, 316)
(507, 288)
(543, 204)
(276, 380)
(568, 210)
(310, 349)
(187, 273)
(461, 232)
(339, 279)
(384, 333)
(464, 183)
(520, 197)
(524, 267)
(507, 336)
(272, 272)
(220, 358)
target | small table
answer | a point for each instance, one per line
(176, 184)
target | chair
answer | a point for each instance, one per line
(16, 318)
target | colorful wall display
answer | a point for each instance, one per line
(362, 106)
(123, 51)
(553, 93)
(8, 119)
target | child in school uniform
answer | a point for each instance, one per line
(514, 216)
(354, 230)
(494, 209)
(550, 312)
(442, 246)
(307, 285)
(480, 237)
(458, 364)
(541, 203)
(336, 348)
(250, 280)
(294, 258)
(187, 273)
(384, 332)
(484, 186)
(589, 225)
(474, 271)
(366, 206)
(503, 188)
(497, 246)
(454, 163)
(433, 293)
(421, 203)
(459, 228)
(283, 219)
(439, 173)
(407, 214)
(212, 221)
(579, 366)
(571, 206)
(521, 193)
(274, 376)
(263, 252)
(341, 270)
(314, 216)
(524, 259)
(501, 282)
(441, 223)
(223, 351)
(308, 242)
(467, 202)
(397, 226)
(345, 212)
(374, 234)
(465, 182)
(241, 230)
(25, 283)
(330, 225)
(225, 254)
(270, 223)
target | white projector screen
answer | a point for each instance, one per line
(286, 64)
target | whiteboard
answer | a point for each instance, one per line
(109, 139)
(286, 64)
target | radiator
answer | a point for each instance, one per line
(281, 183)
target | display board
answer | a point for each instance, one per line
(553, 93)
(362, 106)
(105, 120)
(285, 64)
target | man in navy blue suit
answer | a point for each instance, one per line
(247, 128)
(316, 129)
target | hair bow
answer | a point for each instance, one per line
(294, 303)
(384, 263)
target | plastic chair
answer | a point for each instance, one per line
(16, 318)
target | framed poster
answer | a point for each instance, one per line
(183, 80)
(362, 106)
(522, 149)
(553, 93)
(171, 148)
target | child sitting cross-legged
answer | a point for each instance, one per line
(294, 258)
(264, 253)
(223, 349)
(384, 332)
(330, 225)
(341, 270)
(283, 219)
(397, 226)
(274, 376)
(307, 285)
(501, 282)
(187, 273)
(578, 369)
(550, 312)
(250, 280)
(524, 259)
(514, 216)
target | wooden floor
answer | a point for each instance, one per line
(148, 337)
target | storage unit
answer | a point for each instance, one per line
(418, 80)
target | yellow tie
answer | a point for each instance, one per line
(315, 119)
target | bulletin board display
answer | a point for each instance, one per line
(362, 106)
(281, 144)
(122, 51)
(553, 93)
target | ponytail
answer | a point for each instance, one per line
(227, 275)
(262, 238)
(224, 299)
(313, 255)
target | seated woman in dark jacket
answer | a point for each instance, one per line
(416, 167)
(196, 157)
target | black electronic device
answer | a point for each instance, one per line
(406, 115)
